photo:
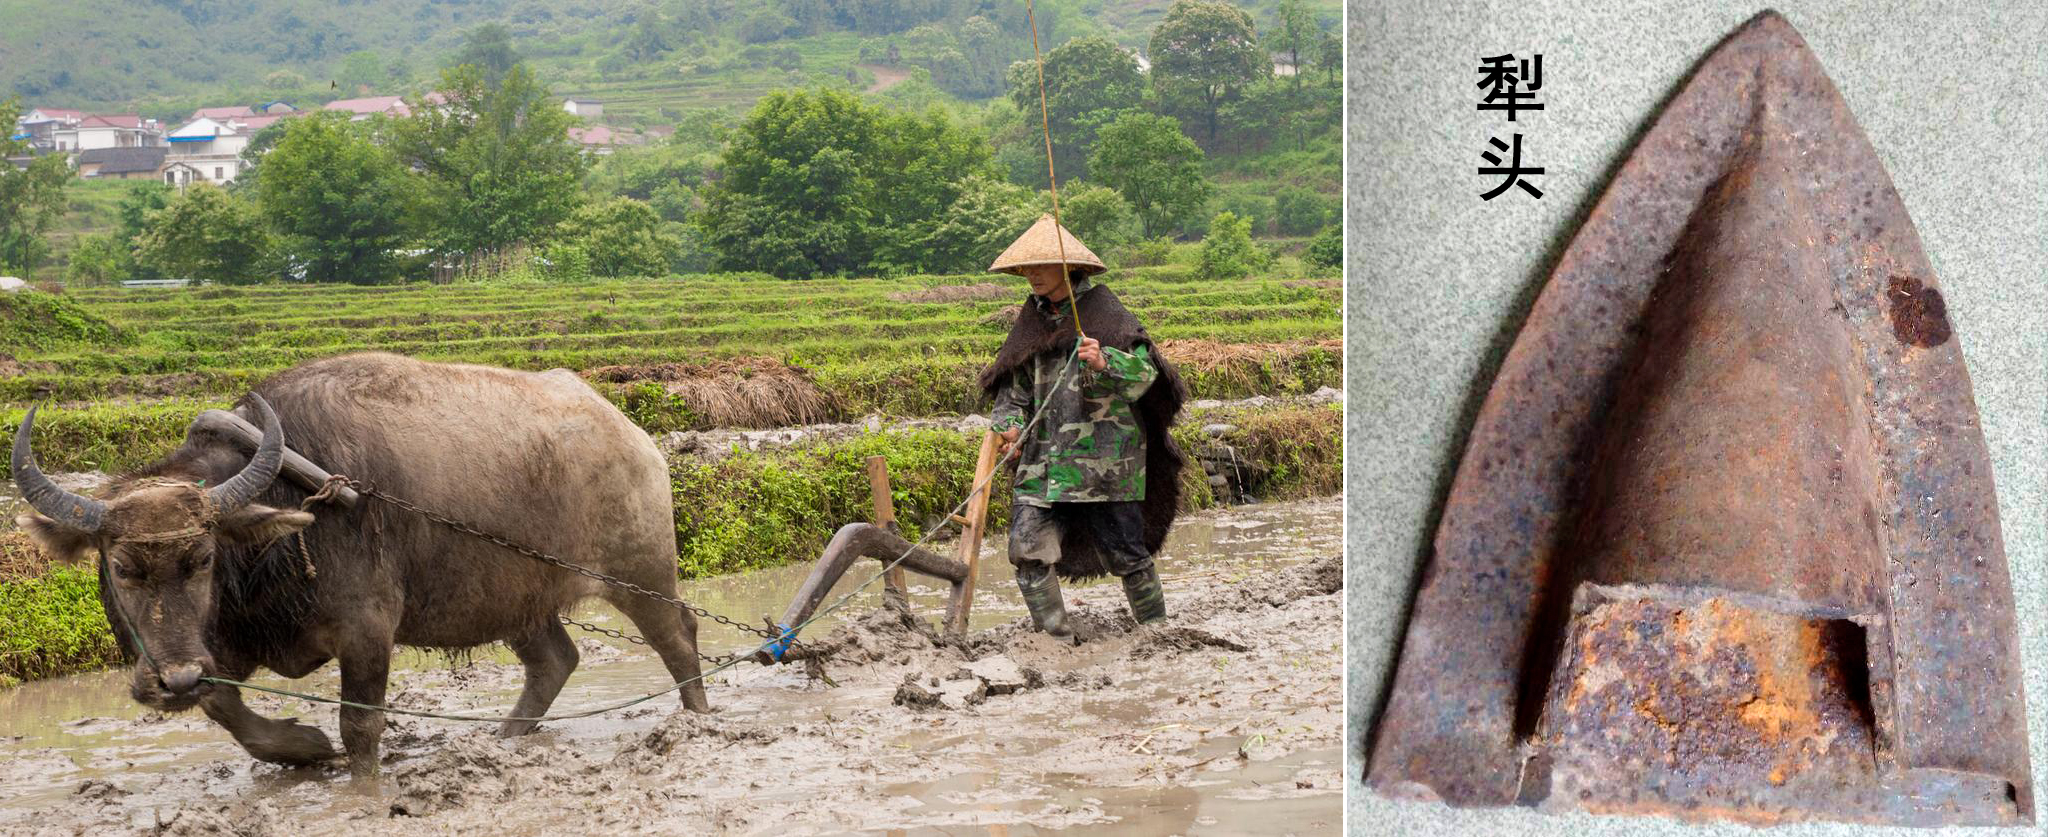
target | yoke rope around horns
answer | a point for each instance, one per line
(982, 485)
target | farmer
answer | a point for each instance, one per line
(1097, 479)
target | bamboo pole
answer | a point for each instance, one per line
(970, 536)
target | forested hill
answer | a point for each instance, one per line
(163, 56)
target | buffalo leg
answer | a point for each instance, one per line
(673, 633)
(365, 673)
(279, 741)
(550, 655)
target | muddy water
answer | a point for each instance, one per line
(1261, 754)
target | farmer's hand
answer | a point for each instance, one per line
(1090, 352)
(1004, 440)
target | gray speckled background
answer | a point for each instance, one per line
(1953, 95)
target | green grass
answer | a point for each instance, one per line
(53, 624)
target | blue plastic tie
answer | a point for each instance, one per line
(781, 644)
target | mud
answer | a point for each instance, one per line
(1223, 720)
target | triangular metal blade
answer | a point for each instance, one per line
(1724, 541)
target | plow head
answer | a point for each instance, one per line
(1724, 542)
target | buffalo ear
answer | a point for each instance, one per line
(260, 524)
(61, 543)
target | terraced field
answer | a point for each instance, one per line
(905, 348)
(128, 369)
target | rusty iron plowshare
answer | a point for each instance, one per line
(1724, 542)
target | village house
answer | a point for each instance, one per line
(64, 131)
(209, 147)
(368, 106)
(123, 130)
(226, 112)
(124, 163)
(586, 108)
(206, 149)
(49, 129)
(364, 108)
(602, 139)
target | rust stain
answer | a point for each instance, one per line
(1919, 317)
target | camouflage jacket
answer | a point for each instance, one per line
(1089, 447)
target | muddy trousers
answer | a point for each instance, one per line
(1118, 532)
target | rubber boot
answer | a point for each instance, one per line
(1041, 589)
(1148, 599)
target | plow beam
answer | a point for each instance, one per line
(851, 543)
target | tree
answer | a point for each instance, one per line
(1274, 109)
(1203, 53)
(989, 213)
(252, 155)
(339, 203)
(764, 24)
(622, 236)
(1147, 159)
(1330, 57)
(1326, 250)
(1298, 211)
(360, 71)
(205, 234)
(489, 49)
(132, 217)
(1228, 251)
(989, 49)
(1297, 34)
(1100, 217)
(31, 198)
(1088, 83)
(97, 259)
(819, 182)
(500, 167)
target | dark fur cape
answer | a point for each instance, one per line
(1104, 318)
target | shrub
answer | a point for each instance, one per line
(1298, 211)
(1326, 250)
(564, 262)
(1100, 217)
(1256, 210)
(1228, 251)
(98, 259)
(1148, 252)
(619, 237)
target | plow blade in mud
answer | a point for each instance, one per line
(1724, 542)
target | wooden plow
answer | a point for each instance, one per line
(882, 541)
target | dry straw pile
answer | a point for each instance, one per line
(737, 392)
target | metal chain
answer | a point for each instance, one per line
(714, 659)
(597, 629)
(551, 560)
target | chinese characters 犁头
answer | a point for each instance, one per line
(1511, 85)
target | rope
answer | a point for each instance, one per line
(1059, 232)
(734, 659)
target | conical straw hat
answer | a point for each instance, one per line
(1037, 246)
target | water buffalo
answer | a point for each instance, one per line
(206, 556)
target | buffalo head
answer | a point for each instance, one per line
(157, 539)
